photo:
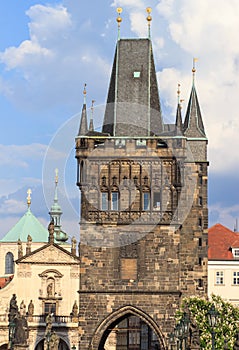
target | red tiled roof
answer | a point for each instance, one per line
(220, 242)
(5, 280)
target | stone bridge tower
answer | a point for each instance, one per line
(144, 216)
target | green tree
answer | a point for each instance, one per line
(227, 320)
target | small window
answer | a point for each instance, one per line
(236, 277)
(200, 222)
(50, 308)
(156, 201)
(200, 201)
(235, 253)
(199, 241)
(137, 74)
(9, 263)
(200, 261)
(200, 283)
(104, 201)
(141, 143)
(219, 277)
(114, 201)
(146, 201)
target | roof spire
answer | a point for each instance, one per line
(193, 123)
(119, 19)
(84, 94)
(91, 126)
(83, 123)
(179, 123)
(56, 213)
(29, 192)
(149, 19)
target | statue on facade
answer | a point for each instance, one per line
(30, 308)
(73, 245)
(51, 229)
(19, 248)
(22, 308)
(75, 309)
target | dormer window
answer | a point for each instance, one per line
(235, 252)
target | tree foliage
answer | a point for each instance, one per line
(227, 320)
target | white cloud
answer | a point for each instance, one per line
(12, 206)
(18, 155)
(227, 215)
(197, 31)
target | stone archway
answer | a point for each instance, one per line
(103, 330)
(62, 345)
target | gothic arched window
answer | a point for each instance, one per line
(9, 263)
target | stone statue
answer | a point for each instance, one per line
(31, 308)
(22, 309)
(51, 229)
(13, 308)
(54, 341)
(48, 323)
(21, 330)
(75, 309)
(49, 290)
(73, 245)
(19, 248)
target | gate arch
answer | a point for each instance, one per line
(102, 331)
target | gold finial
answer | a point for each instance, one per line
(56, 176)
(29, 192)
(194, 67)
(84, 93)
(119, 19)
(149, 18)
(178, 92)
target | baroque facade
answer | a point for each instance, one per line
(144, 216)
(40, 272)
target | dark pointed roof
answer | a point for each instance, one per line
(178, 123)
(193, 124)
(83, 123)
(133, 106)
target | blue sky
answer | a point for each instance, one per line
(49, 49)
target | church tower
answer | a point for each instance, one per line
(144, 217)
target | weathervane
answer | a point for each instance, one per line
(178, 93)
(119, 19)
(149, 19)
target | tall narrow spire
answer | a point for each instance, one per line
(193, 124)
(178, 123)
(83, 123)
(56, 213)
(91, 126)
